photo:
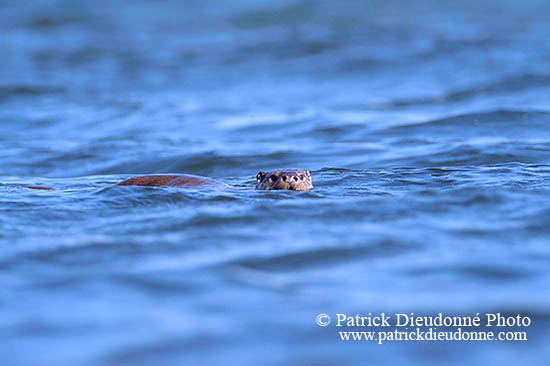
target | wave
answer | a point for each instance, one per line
(28, 90)
(504, 122)
(512, 84)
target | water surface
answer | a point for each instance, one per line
(426, 127)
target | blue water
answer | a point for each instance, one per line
(425, 124)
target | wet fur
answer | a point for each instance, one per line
(172, 181)
(285, 179)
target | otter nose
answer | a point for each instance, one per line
(287, 178)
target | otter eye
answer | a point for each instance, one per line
(273, 178)
(260, 176)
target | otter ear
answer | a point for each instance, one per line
(306, 172)
(260, 176)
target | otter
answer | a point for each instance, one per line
(282, 179)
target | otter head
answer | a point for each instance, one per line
(289, 179)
